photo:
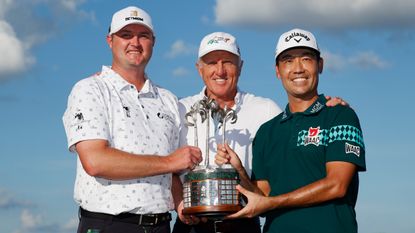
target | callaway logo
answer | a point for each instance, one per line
(313, 136)
(297, 34)
(298, 40)
(352, 149)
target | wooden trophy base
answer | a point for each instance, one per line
(207, 211)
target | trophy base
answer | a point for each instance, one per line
(212, 211)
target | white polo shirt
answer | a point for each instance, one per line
(251, 111)
(105, 106)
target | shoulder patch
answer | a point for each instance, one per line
(352, 149)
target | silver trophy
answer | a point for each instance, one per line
(210, 190)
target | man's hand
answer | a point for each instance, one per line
(331, 102)
(187, 157)
(257, 204)
(226, 155)
(187, 219)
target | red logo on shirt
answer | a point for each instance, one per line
(312, 132)
(312, 137)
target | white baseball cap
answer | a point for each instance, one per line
(296, 38)
(130, 15)
(218, 41)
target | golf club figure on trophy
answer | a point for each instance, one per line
(210, 190)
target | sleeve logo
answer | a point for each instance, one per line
(352, 149)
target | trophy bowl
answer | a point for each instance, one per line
(211, 192)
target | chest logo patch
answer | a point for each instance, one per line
(352, 149)
(313, 136)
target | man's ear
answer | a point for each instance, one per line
(277, 71)
(320, 65)
(109, 40)
(154, 40)
(199, 68)
(241, 64)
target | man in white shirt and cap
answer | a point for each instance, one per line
(125, 130)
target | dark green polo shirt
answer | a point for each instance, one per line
(291, 151)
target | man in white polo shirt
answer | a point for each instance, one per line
(219, 64)
(125, 131)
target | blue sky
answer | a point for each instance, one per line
(48, 45)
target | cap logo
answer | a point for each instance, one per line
(297, 34)
(218, 39)
(133, 16)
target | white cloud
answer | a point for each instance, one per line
(7, 200)
(363, 60)
(317, 13)
(368, 60)
(71, 5)
(21, 28)
(14, 57)
(333, 62)
(35, 223)
(180, 72)
(179, 47)
(72, 8)
(30, 220)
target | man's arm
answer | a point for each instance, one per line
(333, 186)
(101, 160)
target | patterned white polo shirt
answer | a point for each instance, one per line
(105, 106)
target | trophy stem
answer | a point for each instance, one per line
(195, 136)
(207, 139)
(223, 132)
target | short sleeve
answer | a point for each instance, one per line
(86, 115)
(345, 139)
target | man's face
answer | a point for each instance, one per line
(220, 71)
(131, 46)
(298, 70)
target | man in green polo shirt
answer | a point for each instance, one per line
(305, 160)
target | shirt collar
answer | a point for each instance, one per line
(317, 106)
(148, 89)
